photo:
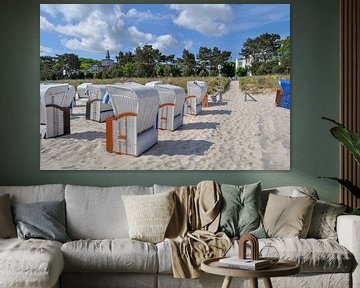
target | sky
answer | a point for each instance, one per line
(89, 29)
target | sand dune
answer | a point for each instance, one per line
(232, 135)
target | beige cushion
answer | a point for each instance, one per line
(7, 226)
(287, 217)
(149, 215)
(117, 255)
(98, 213)
(30, 263)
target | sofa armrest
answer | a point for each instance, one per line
(348, 230)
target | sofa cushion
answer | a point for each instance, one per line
(117, 255)
(149, 215)
(43, 220)
(240, 210)
(323, 222)
(291, 191)
(34, 193)
(98, 213)
(313, 255)
(287, 216)
(7, 226)
(30, 263)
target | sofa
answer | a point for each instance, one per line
(100, 253)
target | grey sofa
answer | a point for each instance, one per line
(101, 254)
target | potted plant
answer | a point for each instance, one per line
(351, 141)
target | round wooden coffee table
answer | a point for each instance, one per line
(281, 268)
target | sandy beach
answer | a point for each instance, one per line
(232, 135)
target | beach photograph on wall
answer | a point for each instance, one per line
(165, 86)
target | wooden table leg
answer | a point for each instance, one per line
(267, 283)
(227, 282)
(254, 282)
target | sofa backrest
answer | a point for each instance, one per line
(35, 193)
(98, 212)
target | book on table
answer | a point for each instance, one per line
(236, 262)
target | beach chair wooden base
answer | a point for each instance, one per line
(98, 111)
(166, 117)
(191, 107)
(121, 136)
(57, 120)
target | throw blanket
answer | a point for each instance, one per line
(191, 231)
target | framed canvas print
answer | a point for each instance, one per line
(165, 86)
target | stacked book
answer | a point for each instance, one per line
(248, 264)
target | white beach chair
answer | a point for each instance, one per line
(196, 91)
(132, 130)
(95, 109)
(81, 90)
(172, 100)
(55, 101)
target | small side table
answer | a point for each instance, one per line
(281, 268)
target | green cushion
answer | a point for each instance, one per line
(240, 213)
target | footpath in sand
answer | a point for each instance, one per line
(232, 135)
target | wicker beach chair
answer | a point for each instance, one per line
(81, 90)
(172, 100)
(55, 101)
(96, 110)
(196, 91)
(283, 97)
(133, 129)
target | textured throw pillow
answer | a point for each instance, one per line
(7, 226)
(43, 220)
(323, 222)
(288, 217)
(149, 215)
(240, 210)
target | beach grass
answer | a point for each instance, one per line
(214, 83)
(263, 83)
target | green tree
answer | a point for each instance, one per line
(203, 58)
(187, 63)
(123, 58)
(228, 69)
(262, 49)
(145, 60)
(70, 62)
(128, 69)
(284, 54)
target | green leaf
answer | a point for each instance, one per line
(349, 139)
(347, 184)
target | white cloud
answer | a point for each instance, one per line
(164, 42)
(68, 11)
(133, 13)
(207, 19)
(101, 27)
(46, 51)
(188, 44)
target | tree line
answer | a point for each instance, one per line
(266, 54)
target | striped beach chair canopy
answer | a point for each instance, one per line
(135, 98)
(57, 94)
(81, 89)
(95, 92)
(171, 94)
(198, 89)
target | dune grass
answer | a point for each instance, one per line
(259, 84)
(214, 83)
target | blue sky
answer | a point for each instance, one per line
(89, 29)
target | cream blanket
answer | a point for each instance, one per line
(191, 231)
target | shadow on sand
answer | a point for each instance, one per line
(199, 126)
(88, 135)
(180, 147)
(215, 112)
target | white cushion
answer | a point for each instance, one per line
(117, 255)
(98, 213)
(30, 263)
